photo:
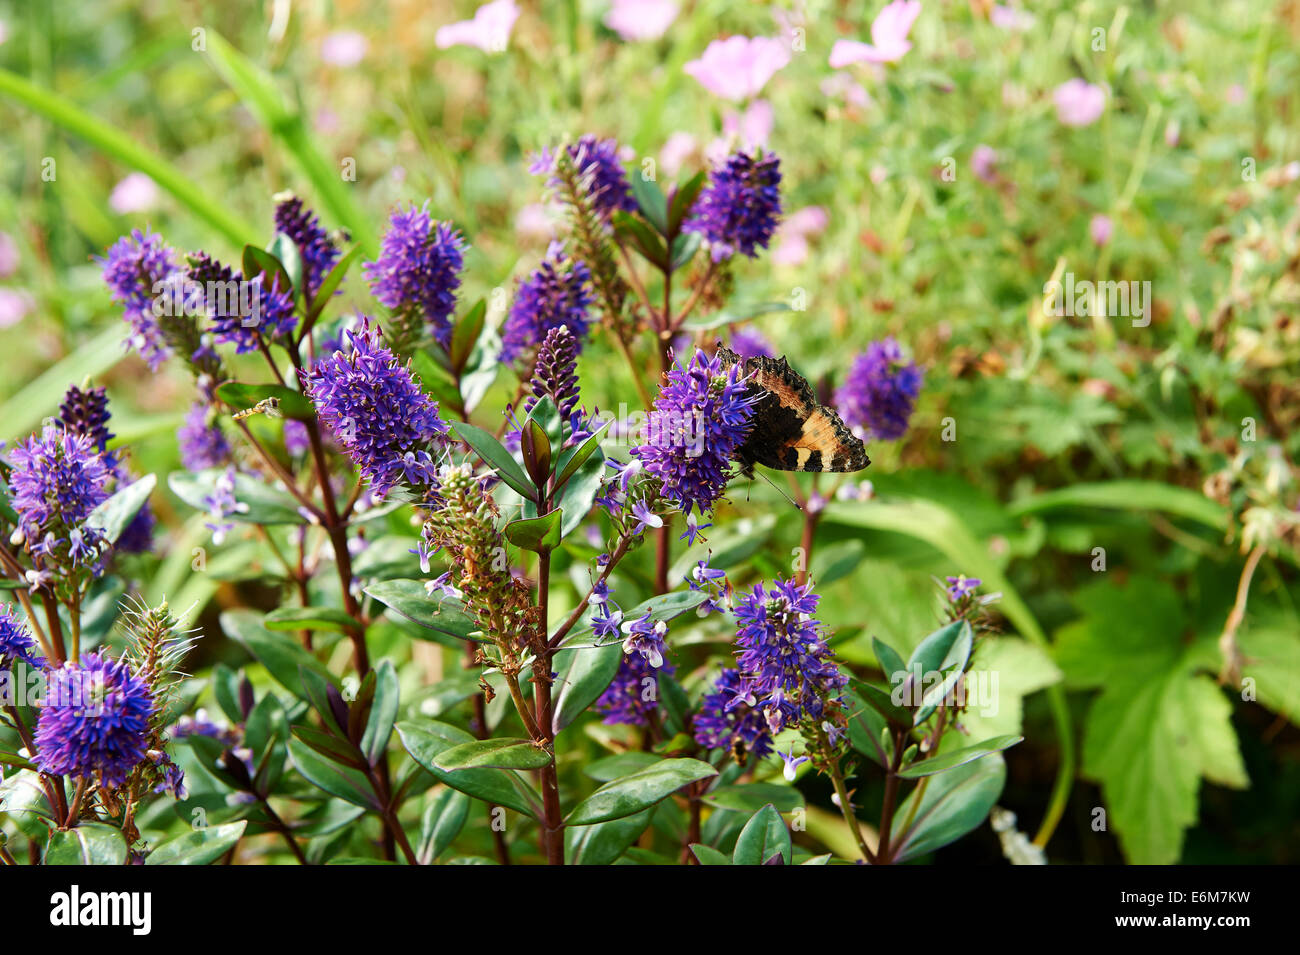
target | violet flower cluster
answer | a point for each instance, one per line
(317, 251)
(94, 719)
(16, 642)
(134, 269)
(556, 295)
(701, 417)
(738, 210)
(599, 169)
(880, 391)
(418, 270)
(632, 697)
(376, 411)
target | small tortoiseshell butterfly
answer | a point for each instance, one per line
(792, 431)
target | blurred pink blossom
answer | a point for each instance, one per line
(793, 247)
(888, 37)
(1235, 94)
(845, 87)
(8, 255)
(984, 162)
(1173, 132)
(753, 127)
(738, 67)
(1100, 228)
(489, 30)
(135, 193)
(677, 149)
(1079, 103)
(1011, 18)
(344, 48)
(534, 222)
(14, 306)
(635, 20)
(4, 31)
(878, 174)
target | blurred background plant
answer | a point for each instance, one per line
(1129, 488)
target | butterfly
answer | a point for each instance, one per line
(792, 431)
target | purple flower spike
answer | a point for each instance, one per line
(418, 269)
(317, 251)
(633, 695)
(94, 719)
(15, 640)
(702, 415)
(880, 391)
(375, 410)
(739, 208)
(728, 718)
(57, 480)
(557, 295)
(132, 269)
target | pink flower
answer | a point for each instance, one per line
(678, 148)
(1079, 103)
(983, 162)
(888, 37)
(8, 255)
(843, 86)
(1100, 228)
(14, 305)
(489, 30)
(534, 222)
(754, 127)
(1234, 94)
(1172, 131)
(136, 193)
(1012, 19)
(4, 32)
(344, 48)
(635, 20)
(795, 232)
(738, 67)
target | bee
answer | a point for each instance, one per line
(738, 751)
(267, 406)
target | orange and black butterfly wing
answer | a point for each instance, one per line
(792, 431)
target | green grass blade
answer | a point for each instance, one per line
(24, 411)
(257, 90)
(121, 147)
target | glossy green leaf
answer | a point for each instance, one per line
(583, 674)
(383, 711)
(115, 514)
(278, 652)
(640, 790)
(958, 757)
(707, 855)
(199, 846)
(348, 784)
(651, 201)
(764, 836)
(425, 740)
(751, 797)
(493, 754)
(683, 200)
(496, 457)
(952, 804)
(538, 534)
(308, 618)
(604, 842)
(90, 843)
(443, 819)
(433, 612)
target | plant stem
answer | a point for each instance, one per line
(842, 794)
(892, 780)
(553, 820)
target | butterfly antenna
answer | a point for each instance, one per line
(778, 490)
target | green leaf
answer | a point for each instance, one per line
(465, 333)
(604, 842)
(764, 836)
(261, 262)
(651, 201)
(751, 797)
(891, 664)
(444, 817)
(707, 855)
(265, 504)
(114, 515)
(1157, 727)
(640, 790)
(574, 458)
(684, 197)
(538, 534)
(308, 618)
(127, 150)
(866, 729)
(620, 764)
(947, 647)
(292, 404)
(409, 599)
(641, 237)
(496, 457)
(383, 711)
(348, 784)
(425, 740)
(328, 286)
(684, 248)
(579, 492)
(91, 843)
(258, 92)
(1127, 496)
(280, 654)
(881, 701)
(285, 251)
(958, 757)
(952, 804)
(494, 754)
(199, 846)
(583, 673)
